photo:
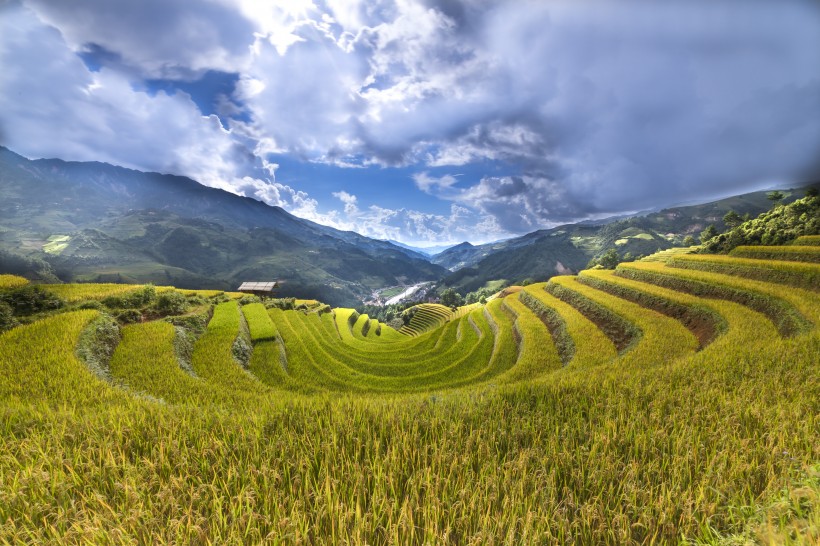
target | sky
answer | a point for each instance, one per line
(425, 121)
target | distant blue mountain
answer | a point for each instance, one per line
(426, 250)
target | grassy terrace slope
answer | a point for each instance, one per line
(666, 401)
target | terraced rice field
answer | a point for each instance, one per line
(73, 293)
(428, 316)
(797, 253)
(663, 402)
(807, 240)
(12, 281)
(669, 253)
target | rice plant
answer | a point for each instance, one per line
(12, 281)
(518, 422)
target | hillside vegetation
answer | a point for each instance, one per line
(782, 224)
(662, 402)
(571, 248)
(94, 222)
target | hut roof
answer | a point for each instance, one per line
(258, 286)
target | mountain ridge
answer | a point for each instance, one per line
(568, 248)
(116, 223)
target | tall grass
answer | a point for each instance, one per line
(592, 457)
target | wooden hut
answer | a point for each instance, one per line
(263, 289)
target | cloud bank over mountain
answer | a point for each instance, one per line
(499, 117)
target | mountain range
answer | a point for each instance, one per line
(95, 222)
(98, 222)
(565, 249)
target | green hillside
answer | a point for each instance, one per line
(657, 403)
(569, 248)
(94, 222)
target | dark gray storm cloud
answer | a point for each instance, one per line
(593, 107)
(154, 38)
(631, 105)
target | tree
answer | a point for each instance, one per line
(451, 298)
(732, 219)
(407, 315)
(609, 259)
(688, 241)
(811, 192)
(7, 319)
(708, 234)
(775, 196)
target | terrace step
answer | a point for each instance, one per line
(623, 333)
(659, 338)
(702, 320)
(578, 341)
(801, 275)
(427, 316)
(799, 253)
(669, 253)
(146, 362)
(537, 353)
(38, 364)
(792, 310)
(807, 240)
(213, 357)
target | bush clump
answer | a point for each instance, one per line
(171, 303)
(407, 315)
(138, 298)
(97, 344)
(285, 304)
(91, 304)
(7, 320)
(129, 316)
(30, 299)
(222, 297)
(197, 324)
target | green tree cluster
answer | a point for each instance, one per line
(778, 226)
(478, 296)
(451, 298)
(607, 260)
(30, 299)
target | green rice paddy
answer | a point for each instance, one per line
(665, 402)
